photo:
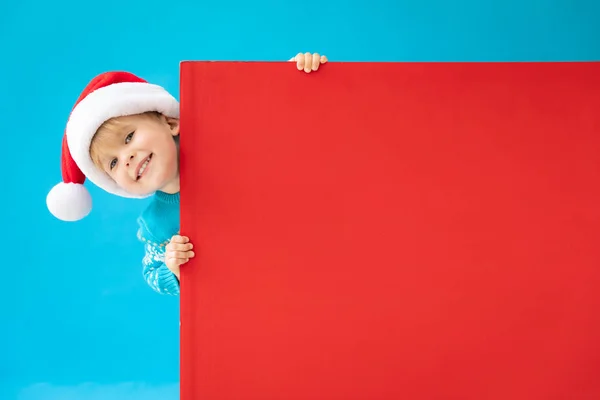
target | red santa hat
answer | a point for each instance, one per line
(108, 95)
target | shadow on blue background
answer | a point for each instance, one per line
(78, 321)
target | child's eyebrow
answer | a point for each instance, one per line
(123, 131)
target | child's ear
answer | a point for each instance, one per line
(173, 125)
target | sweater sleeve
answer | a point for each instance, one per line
(156, 273)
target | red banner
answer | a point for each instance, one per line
(391, 231)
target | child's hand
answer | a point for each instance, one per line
(309, 62)
(178, 252)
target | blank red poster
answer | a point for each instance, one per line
(391, 231)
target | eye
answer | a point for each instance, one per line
(113, 163)
(129, 137)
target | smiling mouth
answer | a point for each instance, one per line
(143, 167)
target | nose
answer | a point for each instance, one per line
(130, 159)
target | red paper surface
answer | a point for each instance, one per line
(391, 231)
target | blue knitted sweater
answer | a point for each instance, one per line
(157, 224)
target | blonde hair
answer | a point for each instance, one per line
(109, 135)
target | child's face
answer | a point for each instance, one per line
(141, 155)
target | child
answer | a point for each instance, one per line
(123, 135)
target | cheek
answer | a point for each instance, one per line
(169, 167)
(121, 176)
(171, 151)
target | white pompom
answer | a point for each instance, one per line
(69, 201)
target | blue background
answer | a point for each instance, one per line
(78, 321)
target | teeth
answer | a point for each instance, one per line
(143, 167)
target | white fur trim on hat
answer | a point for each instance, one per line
(119, 99)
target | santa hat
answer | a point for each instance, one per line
(108, 95)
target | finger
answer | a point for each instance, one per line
(180, 255)
(180, 239)
(299, 61)
(307, 62)
(316, 61)
(323, 59)
(180, 246)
